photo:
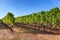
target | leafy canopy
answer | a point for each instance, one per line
(9, 18)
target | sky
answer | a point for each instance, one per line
(24, 7)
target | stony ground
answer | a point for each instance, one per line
(6, 34)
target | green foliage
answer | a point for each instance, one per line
(45, 17)
(9, 18)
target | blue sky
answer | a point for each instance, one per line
(24, 7)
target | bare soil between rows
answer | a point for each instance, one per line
(6, 34)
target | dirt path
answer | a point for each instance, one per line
(6, 34)
(30, 36)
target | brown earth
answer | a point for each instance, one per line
(6, 34)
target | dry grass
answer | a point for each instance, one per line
(19, 30)
(16, 38)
